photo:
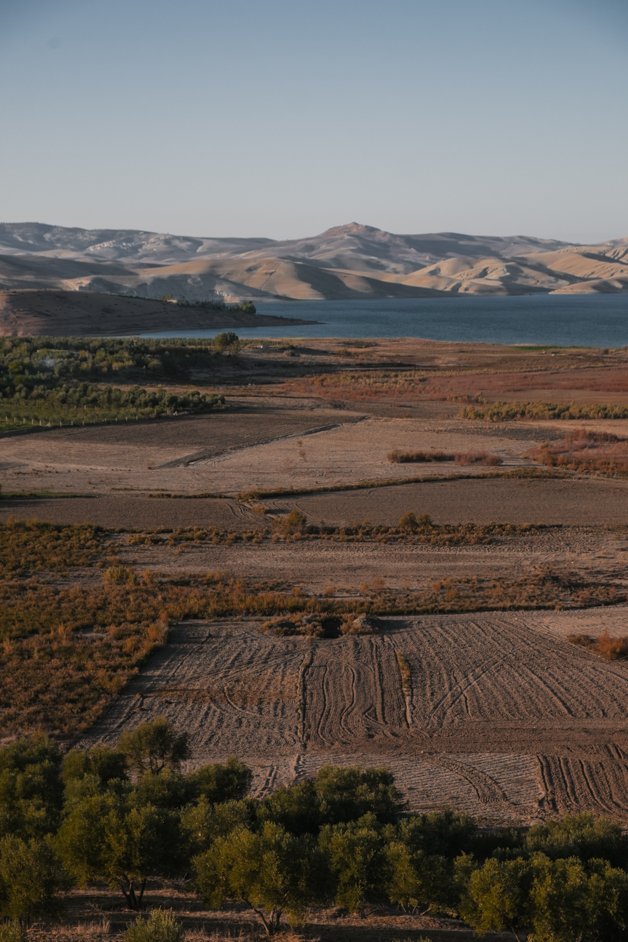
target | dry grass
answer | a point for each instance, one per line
(511, 411)
(29, 547)
(294, 527)
(68, 649)
(586, 451)
(469, 457)
(611, 647)
(102, 931)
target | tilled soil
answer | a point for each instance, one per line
(571, 502)
(493, 714)
(496, 500)
(319, 565)
(130, 511)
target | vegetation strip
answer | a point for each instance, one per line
(511, 411)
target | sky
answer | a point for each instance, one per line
(285, 117)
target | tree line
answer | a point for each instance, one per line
(128, 815)
(62, 382)
(30, 360)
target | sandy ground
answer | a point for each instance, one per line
(99, 916)
(258, 449)
(545, 501)
(498, 715)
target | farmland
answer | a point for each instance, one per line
(268, 579)
(492, 714)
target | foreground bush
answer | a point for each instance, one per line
(544, 900)
(30, 879)
(30, 787)
(343, 837)
(159, 926)
(12, 932)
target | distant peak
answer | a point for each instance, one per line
(352, 228)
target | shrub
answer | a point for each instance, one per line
(422, 457)
(361, 624)
(419, 457)
(227, 340)
(585, 451)
(30, 878)
(159, 926)
(293, 524)
(410, 523)
(510, 411)
(611, 647)
(12, 932)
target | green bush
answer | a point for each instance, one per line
(30, 879)
(12, 932)
(159, 926)
(228, 340)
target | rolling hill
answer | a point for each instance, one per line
(349, 261)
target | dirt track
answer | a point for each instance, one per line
(492, 713)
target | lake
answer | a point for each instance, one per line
(586, 320)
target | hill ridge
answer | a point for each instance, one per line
(351, 260)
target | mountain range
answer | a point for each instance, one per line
(349, 261)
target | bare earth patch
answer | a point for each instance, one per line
(493, 500)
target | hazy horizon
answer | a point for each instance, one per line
(280, 120)
(305, 235)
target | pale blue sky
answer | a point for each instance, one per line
(285, 117)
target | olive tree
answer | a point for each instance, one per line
(154, 747)
(271, 871)
(103, 838)
(357, 858)
(30, 787)
(573, 902)
(582, 835)
(497, 896)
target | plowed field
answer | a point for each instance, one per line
(494, 714)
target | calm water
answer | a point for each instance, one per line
(577, 320)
